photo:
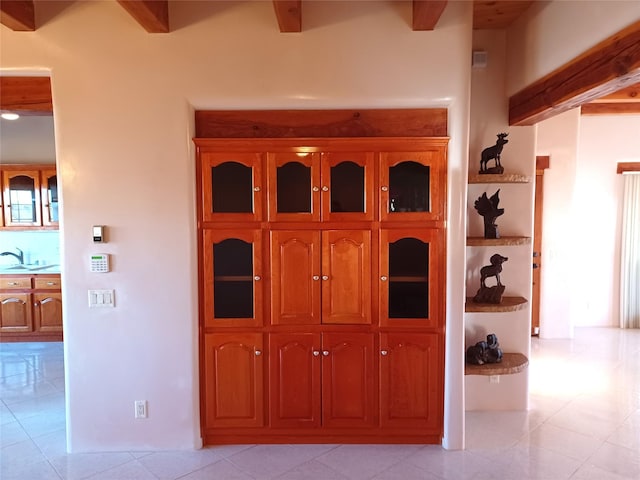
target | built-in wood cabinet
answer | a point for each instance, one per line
(322, 273)
(29, 197)
(30, 308)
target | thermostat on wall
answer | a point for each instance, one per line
(100, 262)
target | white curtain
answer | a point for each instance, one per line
(630, 254)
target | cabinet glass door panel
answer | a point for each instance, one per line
(233, 290)
(411, 186)
(232, 186)
(411, 277)
(49, 198)
(347, 184)
(22, 198)
(408, 279)
(294, 186)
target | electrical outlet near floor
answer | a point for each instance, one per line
(140, 408)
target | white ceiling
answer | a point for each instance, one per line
(30, 139)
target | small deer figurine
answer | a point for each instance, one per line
(493, 152)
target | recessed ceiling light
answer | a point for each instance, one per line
(10, 116)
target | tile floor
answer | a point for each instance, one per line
(584, 423)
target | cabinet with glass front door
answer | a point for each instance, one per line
(29, 197)
(322, 286)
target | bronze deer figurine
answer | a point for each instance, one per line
(493, 152)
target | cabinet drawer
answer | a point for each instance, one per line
(49, 283)
(15, 283)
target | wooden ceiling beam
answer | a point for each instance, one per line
(26, 95)
(609, 66)
(426, 13)
(613, 108)
(153, 15)
(18, 15)
(289, 15)
(624, 95)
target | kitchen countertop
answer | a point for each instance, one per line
(28, 269)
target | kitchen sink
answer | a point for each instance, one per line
(29, 268)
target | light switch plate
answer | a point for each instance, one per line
(101, 298)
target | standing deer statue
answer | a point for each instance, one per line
(493, 152)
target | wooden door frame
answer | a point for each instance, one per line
(542, 163)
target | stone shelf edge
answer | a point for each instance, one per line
(495, 178)
(506, 241)
(509, 304)
(511, 363)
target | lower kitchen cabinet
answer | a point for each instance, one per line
(321, 380)
(411, 375)
(233, 371)
(30, 308)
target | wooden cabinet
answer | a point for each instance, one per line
(321, 380)
(411, 375)
(233, 380)
(29, 197)
(30, 308)
(232, 269)
(321, 277)
(332, 252)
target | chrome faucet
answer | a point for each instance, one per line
(19, 255)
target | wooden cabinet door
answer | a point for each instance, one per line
(47, 308)
(21, 198)
(348, 389)
(293, 186)
(49, 197)
(411, 381)
(232, 186)
(233, 380)
(15, 312)
(411, 278)
(295, 277)
(294, 380)
(346, 277)
(412, 185)
(347, 186)
(232, 278)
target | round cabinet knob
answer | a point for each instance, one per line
(383, 278)
(316, 353)
(384, 353)
(325, 188)
(256, 189)
(316, 277)
(315, 189)
(258, 353)
(384, 188)
(325, 353)
(325, 277)
(257, 278)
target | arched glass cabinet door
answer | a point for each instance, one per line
(232, 277)
(231, 186)
(347, 186)
(22, 198)
(49, 195)
(412, 185)
(411, 282)
(294, 186)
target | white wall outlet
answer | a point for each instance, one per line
(494, 378)
(140, 408)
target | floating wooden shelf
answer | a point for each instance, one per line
(504, 241)
(511, 363)
(509, 304)
(495, 178)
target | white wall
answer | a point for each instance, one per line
(489, 116)
(123, 102)
(553, 33)
(558, 138)
(604, 141)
